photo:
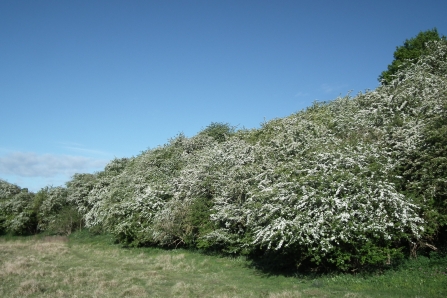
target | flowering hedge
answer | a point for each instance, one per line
(348, 183)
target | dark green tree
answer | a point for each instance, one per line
(219, 131)
(411, 50)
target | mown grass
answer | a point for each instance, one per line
(92, 266)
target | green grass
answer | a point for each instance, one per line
(92, 266)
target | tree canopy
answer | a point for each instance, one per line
(410, 51)
(219, 131)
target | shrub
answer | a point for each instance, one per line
(17, 215)
(56, 214)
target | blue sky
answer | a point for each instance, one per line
(82, 82)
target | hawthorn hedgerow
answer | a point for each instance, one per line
(349, 183)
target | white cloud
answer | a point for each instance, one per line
(29, 164)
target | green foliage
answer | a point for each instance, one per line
(425, 173)
(17, 215)
(56, 214)
(79, 188)
(7, 189)
(126, 202)
(219, 131)
(199, 219)
(409, 52)
(67, 221)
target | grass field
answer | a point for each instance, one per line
(86, 266)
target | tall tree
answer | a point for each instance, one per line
(411, 50)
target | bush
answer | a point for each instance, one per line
(17, 215)
(219, 131)
(56, 214)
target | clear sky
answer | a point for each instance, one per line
(82, 82)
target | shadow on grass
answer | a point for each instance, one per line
(92, 237)
(286, 265)
(276, 264)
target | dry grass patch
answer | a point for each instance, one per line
(354, 295)
(134, 291)
(182, 289)
(50, 248)
(29, 287)
(16, 267)
(285, 294)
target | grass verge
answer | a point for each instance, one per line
(91, 266)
